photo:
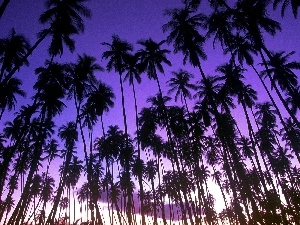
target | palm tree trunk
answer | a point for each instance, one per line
(140, 176)
(17, 215)
(123, 109)
(57, 198)
(12, 72)
(277, 90)
(3, 7)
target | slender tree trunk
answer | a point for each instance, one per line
(123, 109)
(3, 7)
(140, 175)
(277, 90)
(12, 72)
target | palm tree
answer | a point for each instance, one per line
(69, 134)
(151, 170)
(151, 58)
(84, 194)
(65, 19)
(40, 131)
(267, 137)
(9, 89)
(47, 189)
(181, 84)
(290, 136)
(253, 24)
(82, 78)
(117, 54)
(281, 71)
(35, 190)
(72, 177)
(51, 86)
(294, 4)
(184, 34)
(98, 101)
(133, 73)
(242, 49)
(85, 85)
(219, 24)
(12, 51)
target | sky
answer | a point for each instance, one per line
(132, 20)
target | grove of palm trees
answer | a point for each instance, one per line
(208, 143)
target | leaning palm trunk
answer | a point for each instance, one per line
(3, 7)
(60, 188)
(18, 215)
(292, 115)
(37, 43)
(227, 166)
(171, 146)
(273, 101)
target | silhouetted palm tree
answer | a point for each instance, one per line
(119, 51)
(65, 19)
(98, 101)
(151, 58)
(69, 134)
(133, 73)
(184, 34)
(181, 84)
(9, 89)
(12, 51)
(282, 72)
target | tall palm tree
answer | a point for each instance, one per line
(267, 137)
(98, 101)
(40, 131)
(119, 50)
(151, 170)
(133, 73)
(254, 24)
(69, 134)
(83, 84)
